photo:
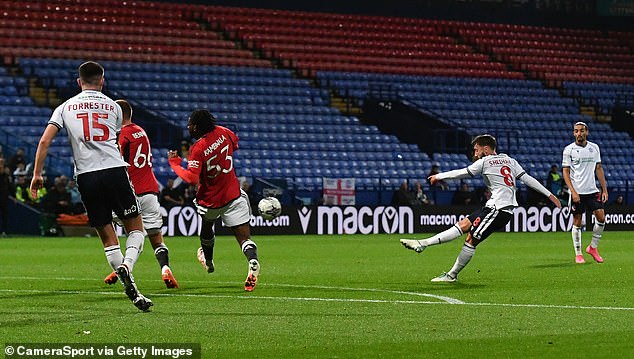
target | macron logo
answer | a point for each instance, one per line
(304, 217)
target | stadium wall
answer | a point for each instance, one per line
(23, 219)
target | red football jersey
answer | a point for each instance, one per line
(211, 159)
(136, 151)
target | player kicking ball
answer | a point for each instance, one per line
(134, 145)
(500, 173)
(210, 165)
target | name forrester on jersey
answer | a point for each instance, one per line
(90, 106)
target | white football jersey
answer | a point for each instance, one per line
(92, 121)
(582, 162)
(499, 172)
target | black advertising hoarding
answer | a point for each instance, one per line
(184, 221)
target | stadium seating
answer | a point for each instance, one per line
(277, 117)
(269, 75)
(500, 106)
(141, 32)
(314, 42)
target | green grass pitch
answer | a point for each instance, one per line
(522, 296)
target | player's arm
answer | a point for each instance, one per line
(604, 186)
(191, 174)
(455, 174)
(566, 162)
(40, 156)
(574, 195)
(467, 172)
(531, 182)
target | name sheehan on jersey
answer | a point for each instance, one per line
(215, 145)
(90, 106)
(498, 162)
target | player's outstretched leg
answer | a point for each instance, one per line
(413, 244)
(447, 235)
(131, 290)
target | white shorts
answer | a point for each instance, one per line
(150, 213)
(235, 213)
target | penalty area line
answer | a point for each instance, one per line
(375, 290)
(315, 299)
(251, 297)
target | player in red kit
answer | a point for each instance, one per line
(210, 165)
(136, 151)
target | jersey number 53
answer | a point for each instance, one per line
(215, 169)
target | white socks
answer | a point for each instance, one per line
(448, 235)
(597, 232)
(576, 239)
(114, 256)
(463, 259)
(133, 247)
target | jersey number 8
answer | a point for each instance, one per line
(508, 177)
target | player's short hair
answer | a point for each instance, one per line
(91, 72)
(581, 123)
(204, 120)
(485, 140)
(125, 108)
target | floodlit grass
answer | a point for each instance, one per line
(333, 296)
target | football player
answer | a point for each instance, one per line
(92, 121)
(581, 161)
(500, 173)
(210, 165)
(134, 145)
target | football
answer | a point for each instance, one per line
(269, 208)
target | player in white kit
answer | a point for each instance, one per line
(581, 160)
(92, 121)
(499, 172)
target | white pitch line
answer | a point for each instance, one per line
(439, 297)
(307, 299)
(443, 298)
(313, 299)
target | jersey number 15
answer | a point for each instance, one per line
(92, 126)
